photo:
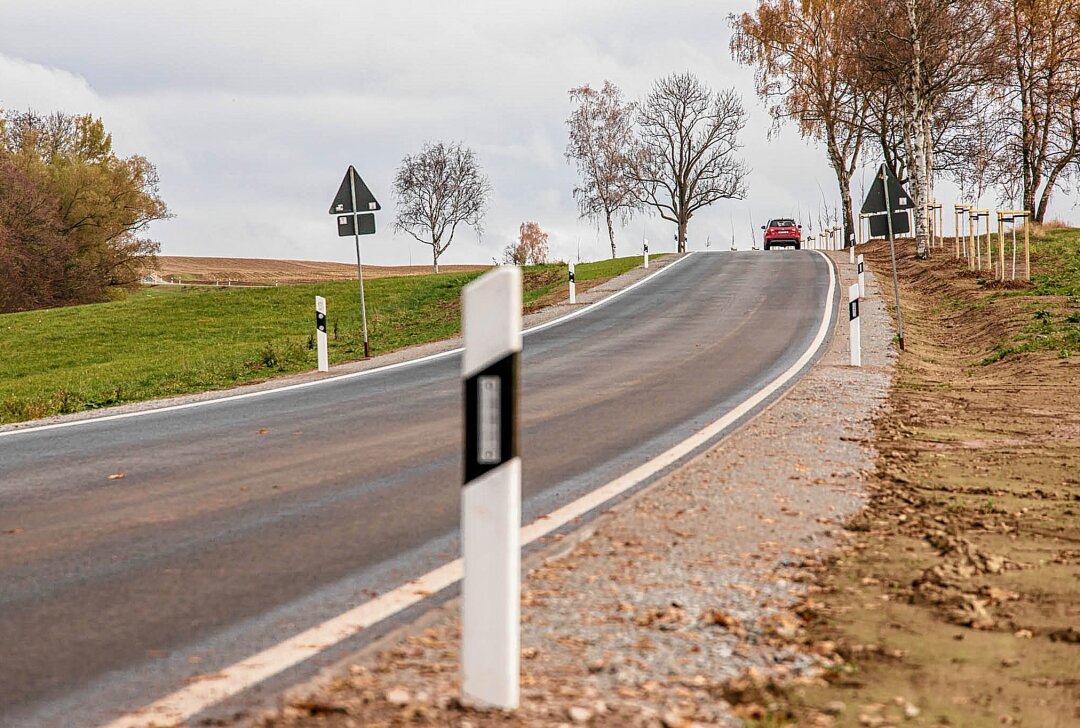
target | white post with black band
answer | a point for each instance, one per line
(491, 496)
(320, 332)
(854, 330)
(645, 252)
(862, 277)
(573, 285)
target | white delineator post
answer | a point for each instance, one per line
(491, 496)
(645, 252)
(862, 276)
(854, 330)
(573, 285)
(851, 254)
(320, 332)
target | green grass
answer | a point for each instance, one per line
(1056, 262)
(1055, 320)
(552, 276)
(164, 341)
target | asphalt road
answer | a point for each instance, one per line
(239, 524)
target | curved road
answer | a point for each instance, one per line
(241, 523)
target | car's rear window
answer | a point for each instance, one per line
(782, 222)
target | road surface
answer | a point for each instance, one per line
(238, 524)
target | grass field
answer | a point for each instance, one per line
(1052, 321)
(166, 340)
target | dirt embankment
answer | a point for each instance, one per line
(957, 598)
(269, 272)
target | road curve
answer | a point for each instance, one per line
(241, 523)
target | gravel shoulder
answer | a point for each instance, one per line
(679, 606)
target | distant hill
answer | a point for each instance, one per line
(266, 271)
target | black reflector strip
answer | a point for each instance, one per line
(853, 310)
(491, 417)
(320, 321)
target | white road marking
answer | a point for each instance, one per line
(337, 378)
(199, 696)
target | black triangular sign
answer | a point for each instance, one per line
(365, 201)
(875, 198)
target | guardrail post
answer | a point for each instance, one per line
(491, 496)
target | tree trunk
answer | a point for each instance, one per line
(917, 121)
(435, 251)
(843, 180)
(610, 233)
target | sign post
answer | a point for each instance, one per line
(320, 332)
(491, 496)
(573, 285)
(355, 205)
(854, 330)
(887, 198)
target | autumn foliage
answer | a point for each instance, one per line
(530, 248)
(73, 214)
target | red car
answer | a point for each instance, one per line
(782, 231)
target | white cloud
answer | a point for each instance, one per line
(252, 110)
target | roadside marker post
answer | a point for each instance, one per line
(862, 276)
(854, 330)
(573, 285)
(851, 254)
(645, 252)
(320, 332)
(491, 496)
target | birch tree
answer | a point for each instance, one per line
(601, 130)
(437, 190)
(921, 51)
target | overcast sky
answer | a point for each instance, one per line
(253, 110)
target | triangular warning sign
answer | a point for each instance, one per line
(899, 199)
(343, 200)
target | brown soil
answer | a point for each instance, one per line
(957, 598)
(263, 271)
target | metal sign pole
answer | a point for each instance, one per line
(892, 251)
(359, 264)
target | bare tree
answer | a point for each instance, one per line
(796, 49)
(437, 190)
(601, 143)
(687, 154)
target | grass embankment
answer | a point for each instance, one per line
(956, 600)
(167, 341)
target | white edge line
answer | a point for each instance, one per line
(337, 378)
(199, 696)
